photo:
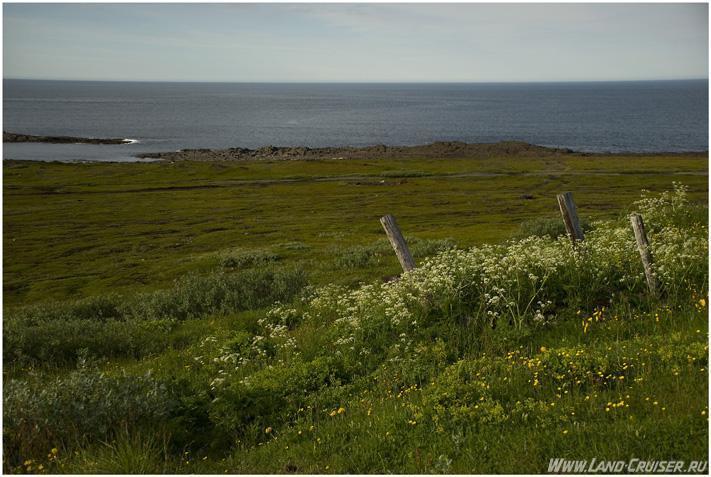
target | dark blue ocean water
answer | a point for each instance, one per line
(647, 116)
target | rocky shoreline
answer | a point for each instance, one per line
(434, 150)
(13, 137)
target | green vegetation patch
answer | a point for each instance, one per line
(78, 230)
(493, 358)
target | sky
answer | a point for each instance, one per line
(355, 42)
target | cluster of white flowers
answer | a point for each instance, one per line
(655, 209)
(276, 325)
(676, 253)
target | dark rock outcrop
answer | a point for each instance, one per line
(12, 137)
(435, 150)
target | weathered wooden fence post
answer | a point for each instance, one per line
(570, 216)
(644, 252)
(398, 242)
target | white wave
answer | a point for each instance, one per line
(130, 141)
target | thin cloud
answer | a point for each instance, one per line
(356, 42)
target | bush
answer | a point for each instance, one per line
(547, 227)
(99, 308)
(111, 326)
(81, 407)
(246, 258)
(268, 397)
(57, 341)
(361, 256)
(194, 296)
(422, 248)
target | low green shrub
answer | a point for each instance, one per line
(58, 341)
(422, 248)
(362, 256)
(112, 326)
(98, 308)
(240, 259)
(78, 408)
(269, 397)
(194, 296)
(359, 256)
(547, 227)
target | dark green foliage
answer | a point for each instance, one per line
(362, 256)
(112, 326)
(548, 227)
(247, 258)
(80, 407)
(194, 295)
(270, 397)
(56, 342)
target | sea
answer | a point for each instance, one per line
(634, 116)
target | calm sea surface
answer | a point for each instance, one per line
(647, 116)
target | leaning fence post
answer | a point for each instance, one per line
(570, 216)
(644, 252)
(398, 242)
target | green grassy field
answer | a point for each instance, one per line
(233, 317)
(79, 230)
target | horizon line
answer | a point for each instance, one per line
(359, 82)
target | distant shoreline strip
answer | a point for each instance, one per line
(15, 138)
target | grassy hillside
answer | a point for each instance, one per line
(281, 349)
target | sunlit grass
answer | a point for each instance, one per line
(250, 329)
